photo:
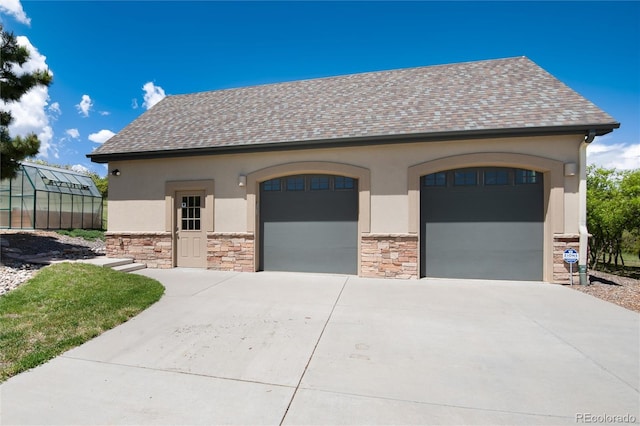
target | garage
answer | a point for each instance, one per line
(484, 223)
(309, 223)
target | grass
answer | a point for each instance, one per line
(631, 259)
(87, 234)
(630, 269)
(63, 306)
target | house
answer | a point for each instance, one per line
(470, 170)
(44, 197)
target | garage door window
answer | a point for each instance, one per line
(342, 183)
(496, 177)
(272, 185)
(295, 183)
(491, 176)
(319, 183)
(524, 177)
(465, 177)
(310, 183)
(436, 179)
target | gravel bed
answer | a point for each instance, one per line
(23, 253)
(622, 291)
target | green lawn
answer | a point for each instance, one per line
(630, 269)
(87, 234)
(631, 259)
(63, 306)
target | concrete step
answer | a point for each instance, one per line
(117, 264)
(109, 262)
(129, 267)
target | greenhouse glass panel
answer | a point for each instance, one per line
(21, 212)
(55, 198)
(32, 177)
(42, 209)
(65, 211)
(92, 213)
(77, 212)
(54, 210)
(16, 184)
(5, 207)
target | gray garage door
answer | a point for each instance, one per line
(309, 223)
(484, 223)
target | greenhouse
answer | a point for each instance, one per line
(43, 197)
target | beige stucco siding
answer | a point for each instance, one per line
(137, 196)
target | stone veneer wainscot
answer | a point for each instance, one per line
(561, 242)
(389, 256)
(152, 248)
(230, 251)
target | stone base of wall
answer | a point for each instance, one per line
(152, 248)
(561, 274)
(389, 256)
(230, 251)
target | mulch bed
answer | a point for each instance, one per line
(622, 291)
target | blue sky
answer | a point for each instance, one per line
(113, 59)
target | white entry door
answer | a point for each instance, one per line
(191, 236)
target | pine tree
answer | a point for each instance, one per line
(12, 88)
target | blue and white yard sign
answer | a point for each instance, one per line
(570, 256)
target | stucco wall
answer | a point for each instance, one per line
(137, 196)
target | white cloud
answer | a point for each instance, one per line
(621, 156)
(74, 133)
(152, 95)
(104, 113)
(14, 8)
(85, 105)
(79, 168)
(102, 136)
(134, 103)
(54, 110)
(30, 112)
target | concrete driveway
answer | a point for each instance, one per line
(283, 348)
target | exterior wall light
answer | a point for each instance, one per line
(570, 169)
(115, 172)
(242, 181)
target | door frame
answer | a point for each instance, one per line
(255, 178)
(349, 196)
(180, 233)
(207, 213)
(442, 198)
(553, 181)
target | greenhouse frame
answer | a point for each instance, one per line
(43, 197)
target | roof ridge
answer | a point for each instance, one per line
(363, 73)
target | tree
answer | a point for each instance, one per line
(630, 189)
(613, 212)
(12, 87)
(102, 183)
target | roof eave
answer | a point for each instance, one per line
(600, 129)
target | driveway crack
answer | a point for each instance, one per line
(324, 327)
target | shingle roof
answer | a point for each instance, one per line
(484, 96)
